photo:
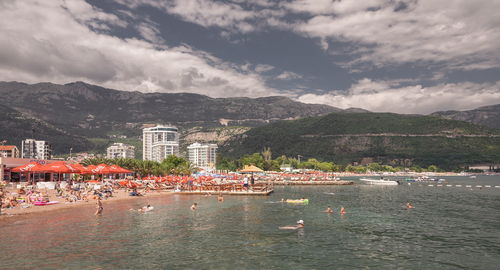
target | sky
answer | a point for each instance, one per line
(403, 56)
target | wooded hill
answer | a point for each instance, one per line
(383, 137)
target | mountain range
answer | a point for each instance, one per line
(487, 116)
(87, 117)
(83, 110)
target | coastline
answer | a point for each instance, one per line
(120, 195)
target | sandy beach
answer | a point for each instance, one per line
(117, 196)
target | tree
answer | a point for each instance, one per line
(267, 154)
(254, 159)
(432, 168)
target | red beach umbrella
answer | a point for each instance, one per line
(82, 169)
(102, 169)
(118, 169)
(59, 167)
(91, 169)
(30, 167)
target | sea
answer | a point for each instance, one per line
(452, 226)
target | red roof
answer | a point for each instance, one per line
(7, 147)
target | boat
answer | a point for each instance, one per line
(473, 177)
(381, 181)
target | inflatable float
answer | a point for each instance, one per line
(302, 201)
(45, 203)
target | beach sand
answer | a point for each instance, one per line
(117, 196)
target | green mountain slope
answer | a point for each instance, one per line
(15, 127)
(383, 137)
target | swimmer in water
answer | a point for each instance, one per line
(146, 208)
(409, 205)
(300, 224)
(194, 206)
(328, 210)
(220, 198)
(342, 211)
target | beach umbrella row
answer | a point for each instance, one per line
(63, 167)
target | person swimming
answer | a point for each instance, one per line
(342, 211)
(220, 198)
(328, 210)
(300, 224)
(194, 206)
(146, 208)
(409, 206)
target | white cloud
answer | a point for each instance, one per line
(150, 33)
(455, 34)
(381, 96)
(211, 13)
(261, 68)
(288, 75)
(53, 41)
(461, 33)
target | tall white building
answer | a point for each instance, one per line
(203, 155)
(31, 148)
(120, 150)
(159, 142)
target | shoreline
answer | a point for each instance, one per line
(122, 195)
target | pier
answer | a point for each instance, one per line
(310, 183)
(226, 192)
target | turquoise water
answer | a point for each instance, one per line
(450, 228)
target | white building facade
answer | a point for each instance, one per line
(35, 149)
(120, 150)
(203, 155)
(159, 142)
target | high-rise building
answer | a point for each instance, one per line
(120, 150)
(159, 142)
(203, 155)
(31, 148)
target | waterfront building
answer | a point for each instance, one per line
(120, 150)
(9, 151)
(36, 149)
(203, 155)
(159, 142)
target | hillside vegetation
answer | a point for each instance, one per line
(15, 127)
(383, 137)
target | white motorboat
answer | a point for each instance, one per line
(382, 182)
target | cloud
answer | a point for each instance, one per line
(288, 75)
(457, 34)
(230, 17)
(382, 96)
(63, 41)
(150, 33)
(261, 68)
